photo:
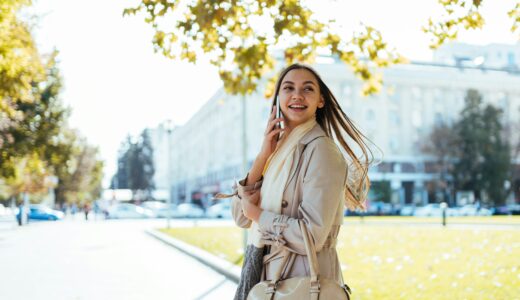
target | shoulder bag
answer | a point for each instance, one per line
(300, 288)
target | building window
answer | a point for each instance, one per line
(394, 94)
(370, 115)
(394, 144)
(347, 90)
(395, 119)
(510, 59)
(438, 121)
(416, 118)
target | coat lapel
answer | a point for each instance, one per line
(313, 134)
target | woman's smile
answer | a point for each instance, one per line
(298, 107)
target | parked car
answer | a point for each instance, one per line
(380, 208)
(41, 212)
(452, 211)
(189, 210)
(468, 210)
(128, 211)
(429, 210)
(510, 209)
(473, 210)
(5, 211)
(220, 210)
(161, 209)
(407, 210)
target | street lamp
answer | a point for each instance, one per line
(244, 153)
(169, 172)
(444, 206)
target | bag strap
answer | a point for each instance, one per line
(312, 258)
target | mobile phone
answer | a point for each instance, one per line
(279, 115)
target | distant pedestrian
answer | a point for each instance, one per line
(300, 178)
(86, 210)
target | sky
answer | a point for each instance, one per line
(116, 85)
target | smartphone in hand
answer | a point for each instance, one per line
(279, 115)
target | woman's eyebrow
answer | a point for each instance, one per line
(290, 82)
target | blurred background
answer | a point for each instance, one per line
(124, 117)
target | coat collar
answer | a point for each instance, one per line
(313, 134)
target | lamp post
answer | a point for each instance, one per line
(169, 173)
(444, 206)
(244, 152)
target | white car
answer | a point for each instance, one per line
(160, 209)
(472, 210)
(429, 210)
(220, 210)
(189, 210)
(129, 211)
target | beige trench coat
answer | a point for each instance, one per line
(314, 193)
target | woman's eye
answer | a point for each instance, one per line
(309, 89)
(288, 88)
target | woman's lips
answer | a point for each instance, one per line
(297, 108)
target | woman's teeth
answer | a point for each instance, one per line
(297, 107)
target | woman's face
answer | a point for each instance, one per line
(300, 97)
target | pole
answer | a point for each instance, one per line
(25, 211)
(169, 177)
(444, 206)
(244, 153)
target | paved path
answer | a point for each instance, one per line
(112, 260)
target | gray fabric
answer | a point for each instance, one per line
(251, 271)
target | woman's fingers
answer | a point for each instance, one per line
(271, 134)
(271, 118)
(272, 124)
(252, 196)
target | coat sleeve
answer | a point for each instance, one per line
(236, 206)
(323, 193)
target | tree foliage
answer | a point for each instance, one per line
(497, 166)
(457, 14)
(20, 65)
(35, 140)
(136, 166)
(240, 36)
(475, 151)
(442, 144)
(81, 176)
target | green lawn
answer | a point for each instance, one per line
(452, 220)
(405, 262)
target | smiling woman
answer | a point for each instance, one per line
(298, 186)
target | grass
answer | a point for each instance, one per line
(449, 220)
(405, 262)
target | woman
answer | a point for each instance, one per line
(301, 176)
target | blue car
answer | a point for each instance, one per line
(41, 212)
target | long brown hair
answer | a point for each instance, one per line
(336, 123)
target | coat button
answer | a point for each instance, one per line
(284, 203)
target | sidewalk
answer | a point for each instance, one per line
(98, 259)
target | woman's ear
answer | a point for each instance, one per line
(321, 104)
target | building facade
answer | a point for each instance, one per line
(206, 153)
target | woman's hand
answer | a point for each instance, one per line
(250, 205)
(271, 134)
(252, 197)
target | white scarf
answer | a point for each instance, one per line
(275, 177)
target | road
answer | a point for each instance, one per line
(98, 259)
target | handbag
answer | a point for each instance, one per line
(300, 288)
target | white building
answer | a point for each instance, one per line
(497, 56)
(206, 152)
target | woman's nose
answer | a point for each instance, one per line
(296, 94)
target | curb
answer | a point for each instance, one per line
(224, 267)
